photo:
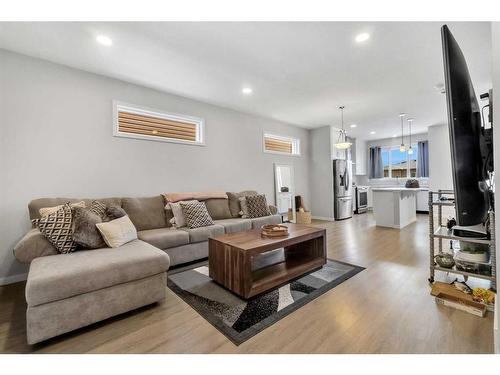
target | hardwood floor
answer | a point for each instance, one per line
(384, 309)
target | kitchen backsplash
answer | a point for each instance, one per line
(365, 181)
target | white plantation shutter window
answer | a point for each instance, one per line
(141, 123)
(278, 144)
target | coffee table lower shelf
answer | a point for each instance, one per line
(277, 274)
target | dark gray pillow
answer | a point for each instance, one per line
(114, 212)
(234, 202)
(85, 232)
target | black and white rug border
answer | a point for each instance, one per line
(238, 338)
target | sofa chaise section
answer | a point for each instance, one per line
(70, 291)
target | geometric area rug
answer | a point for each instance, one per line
(240, 319)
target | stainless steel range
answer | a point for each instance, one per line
(361, 199)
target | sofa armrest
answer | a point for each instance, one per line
(33, 245)
(273, 209)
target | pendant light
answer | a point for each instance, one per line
(402, 147)
(410, 150)
(342, 142)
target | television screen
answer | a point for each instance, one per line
(466, 137)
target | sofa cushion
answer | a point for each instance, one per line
(164, 238)
(202, 234)
(235, 225)
(62, 276)
(187, 253)
(145, 213)
(218, 208)
(260, 221)
(33, 245)
(234, 203)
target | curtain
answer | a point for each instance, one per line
(423, 159)
(376, 168)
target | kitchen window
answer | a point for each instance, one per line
(277, 144)
(397, 164)
(148, 124)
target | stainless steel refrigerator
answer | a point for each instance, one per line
(342, 189)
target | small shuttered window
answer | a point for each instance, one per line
(278, 144)
(141, 123)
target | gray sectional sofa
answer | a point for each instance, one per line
(68, 291)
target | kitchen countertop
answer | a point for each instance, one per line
(399, 189)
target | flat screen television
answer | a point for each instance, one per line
(471, 148)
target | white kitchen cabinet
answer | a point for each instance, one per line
(423, 201)
(370, 198)
(394, 207)
(360, 150)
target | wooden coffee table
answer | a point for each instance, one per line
(248, 264)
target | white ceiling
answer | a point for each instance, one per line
(300, 72)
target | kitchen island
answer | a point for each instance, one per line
(394, 207)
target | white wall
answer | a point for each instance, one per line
(440, 175)
(496, 143)
(56, 140)
(321, 173)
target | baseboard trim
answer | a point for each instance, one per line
(13, 279)
(322, 218)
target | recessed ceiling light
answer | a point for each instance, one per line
(363, 37)
(353, 125)
(372, 132)
(246, 90)
(104, 40)
(394, 135)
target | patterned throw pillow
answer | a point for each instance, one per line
(98, 208)
(50, 210)
(196, 214)
(57, 227)
(257, 206)
(178, 221)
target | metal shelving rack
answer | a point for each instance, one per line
(442, 233)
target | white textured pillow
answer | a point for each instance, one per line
(179, 219)
(50, 210)
(244, 207)
(117, 232)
